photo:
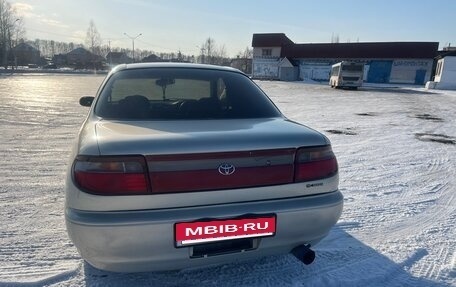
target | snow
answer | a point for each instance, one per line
(396, 149)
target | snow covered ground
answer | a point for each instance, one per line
(396, 149)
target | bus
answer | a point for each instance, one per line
(346, 75)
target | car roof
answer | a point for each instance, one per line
(172, 65)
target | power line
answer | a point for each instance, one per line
(110, 38)
(47, 32)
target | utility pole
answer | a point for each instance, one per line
(133, 43)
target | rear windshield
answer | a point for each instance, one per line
(182, 93)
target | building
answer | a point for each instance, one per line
(24, 54)
(242, 64)
(81, 58)
(115, 58)
(445, 71)
(60, 60)
(152, 58)
(449, 49)
(275, 56)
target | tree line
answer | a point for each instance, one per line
(11, 30)
(12, 33)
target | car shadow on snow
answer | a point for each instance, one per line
(342, 260)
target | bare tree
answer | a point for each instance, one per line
(93, 42)
(209, 48)
(220, 56)
(10, 30)
(50, 48)
(243, 60)
(93, 39)
(104, 50)
(247, 53)
(211, 54)
(19, 30)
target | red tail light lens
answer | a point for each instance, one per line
(315, 163)
(111, 175)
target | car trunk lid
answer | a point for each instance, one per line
(202, 136)
(210, 155)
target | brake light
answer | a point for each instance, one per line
(111, 175)
(315, 163)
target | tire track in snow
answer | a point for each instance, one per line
(40, 277)
(443, 207)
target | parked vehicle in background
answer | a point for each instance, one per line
(184, 165)
(346, 75)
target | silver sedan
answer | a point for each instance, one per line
(185, 165)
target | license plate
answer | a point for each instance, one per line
(206, 231)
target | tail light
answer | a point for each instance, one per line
(111, 175)
(315, 163)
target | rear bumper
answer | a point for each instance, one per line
(135, 241)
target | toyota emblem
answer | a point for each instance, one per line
(226, 169)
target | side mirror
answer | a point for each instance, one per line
(86, 101)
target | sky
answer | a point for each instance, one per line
(184, 25)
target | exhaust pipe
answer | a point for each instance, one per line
(304, 254)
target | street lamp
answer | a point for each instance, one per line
(133, 43)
